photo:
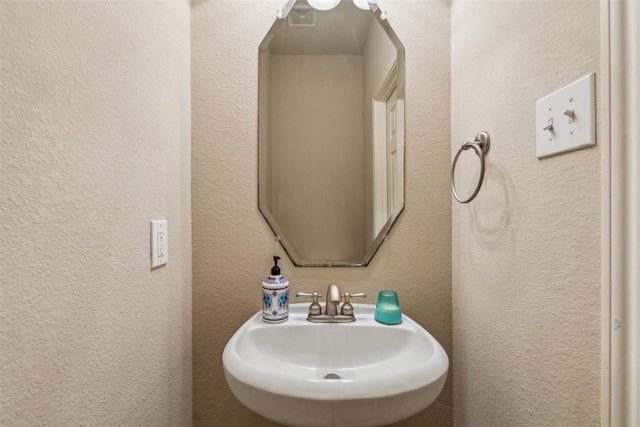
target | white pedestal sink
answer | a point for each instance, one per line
(356, 374)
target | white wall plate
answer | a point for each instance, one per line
(159, 243)
(565, 119)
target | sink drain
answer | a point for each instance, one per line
(332, 376)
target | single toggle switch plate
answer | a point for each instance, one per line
(159, 243)
(572, 112)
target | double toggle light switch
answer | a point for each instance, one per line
(549, 126)
(565, 119)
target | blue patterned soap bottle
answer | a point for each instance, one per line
(275, 296)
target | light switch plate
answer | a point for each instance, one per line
(570, 112)
(159, 243)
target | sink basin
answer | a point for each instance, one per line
(356, 374)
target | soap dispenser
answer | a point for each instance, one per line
(275, 296)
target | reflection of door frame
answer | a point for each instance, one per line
(391, 119)
(386, 88)
(620, 398)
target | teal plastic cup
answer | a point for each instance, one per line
(388, 308)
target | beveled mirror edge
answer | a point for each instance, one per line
(384, 23)
(382, 236)
(286, 246)
(269, 36)
(293, 256)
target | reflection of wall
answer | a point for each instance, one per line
(96, 119)
(232, 244)
(526, 259)
(378, 57)
(316, 154)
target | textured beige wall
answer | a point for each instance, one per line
(232, 244)
(95, 143)
(526, 252)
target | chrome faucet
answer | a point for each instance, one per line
(331, 307)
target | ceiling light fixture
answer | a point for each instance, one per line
(330, 4)
(362, 4)
(323, 4)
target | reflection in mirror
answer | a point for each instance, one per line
(331, 133)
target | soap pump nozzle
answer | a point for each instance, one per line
(275, 270)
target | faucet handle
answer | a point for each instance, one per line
(314, 308)
(347, 308)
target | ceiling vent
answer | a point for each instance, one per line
(302, 16)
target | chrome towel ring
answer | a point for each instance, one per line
(480, 146)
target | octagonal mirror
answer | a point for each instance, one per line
(331, 133)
